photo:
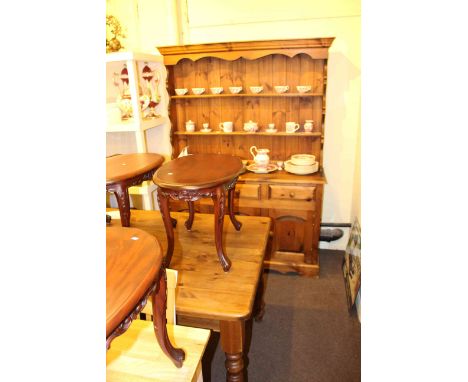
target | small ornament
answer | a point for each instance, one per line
(124, 75)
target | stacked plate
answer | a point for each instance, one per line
(301, 164)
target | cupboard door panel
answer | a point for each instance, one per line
(288, 233)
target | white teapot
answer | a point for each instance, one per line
(261, 157)
(250, 126)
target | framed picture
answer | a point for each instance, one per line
(352, 265)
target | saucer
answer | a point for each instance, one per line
(262, 170)
(271, 131)
(205, 130)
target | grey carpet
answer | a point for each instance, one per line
(306, 334)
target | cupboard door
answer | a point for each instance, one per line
(289, 230)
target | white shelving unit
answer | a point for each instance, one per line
(137, 125)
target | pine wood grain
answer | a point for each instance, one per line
(136, 357)
(203, 289)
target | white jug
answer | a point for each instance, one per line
(261, 157)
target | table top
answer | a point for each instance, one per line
(133, 260)
(197, 171)
(203, 289)
(126, 166)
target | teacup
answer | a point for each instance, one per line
(235, 89)
(281, 88)
(216, 90)
(271, 128)
(303, 88)
(292, 127)
(256, 89)
(226, 126)
(190, 126)
(308, 125)
(198, 91)
(181, 91)
(206, 125)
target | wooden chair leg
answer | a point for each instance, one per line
(159, 301)
(218, 201)
(236, 223)
(189, 221)
(123, 201)
(168, 225)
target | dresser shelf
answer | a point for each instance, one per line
(261, 133)
(293, 95)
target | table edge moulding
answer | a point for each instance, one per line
(137, 124)
(293, 202)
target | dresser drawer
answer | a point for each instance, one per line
(291, 192)
(248, 191)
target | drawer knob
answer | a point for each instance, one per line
(292, 194)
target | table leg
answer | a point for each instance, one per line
(232, 336)
(168, 225)
(159, 300)
(236, 223)
(123, 201)
(259, 303)
(189, 222)
(218, 201)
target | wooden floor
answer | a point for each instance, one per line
(135, 356)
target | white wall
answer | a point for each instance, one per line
(205, 21)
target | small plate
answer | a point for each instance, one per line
(205, 130)
(271, 131)
(261, 170)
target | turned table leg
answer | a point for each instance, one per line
(159, 300)
(123, 201)
(232, 336)
(218, 201)
(168, 225)
(236, 223)
(189, 221)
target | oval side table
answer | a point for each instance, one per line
(134, 272)
(127, 170)
(196, 176)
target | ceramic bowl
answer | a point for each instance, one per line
(181, 91)
(235, 89)
(300, 170)
(303, 159)
(216, 90)
(198, 91)
(256, 89)
(303, 88)
(281, 88)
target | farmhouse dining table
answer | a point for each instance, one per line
(134, 272)
(205, 296)
(196, 176)
(127, 170)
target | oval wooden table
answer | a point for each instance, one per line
(196, 176)
(134, 271)
(127, 170)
